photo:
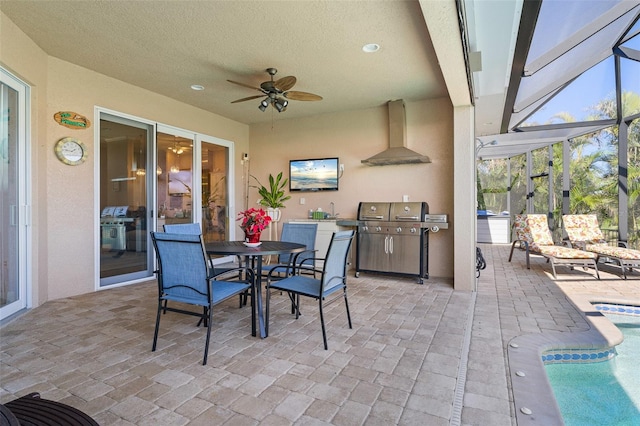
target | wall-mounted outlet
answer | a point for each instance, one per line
(302, 200)
(245, 156)
(405, 198)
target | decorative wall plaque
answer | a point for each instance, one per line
(72, 120)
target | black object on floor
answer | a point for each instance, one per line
(31, 410)
(480, 262)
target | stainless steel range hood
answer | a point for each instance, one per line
(397, 153)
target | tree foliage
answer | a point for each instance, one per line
(593, 170)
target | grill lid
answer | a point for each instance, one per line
(385, 212)
(373, 211)
(414, 211)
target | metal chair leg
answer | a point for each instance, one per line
(155, 334)
(209, 320)
(324, 331)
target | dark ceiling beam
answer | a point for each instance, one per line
(528, 20)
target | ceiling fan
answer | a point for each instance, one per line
(275, 92)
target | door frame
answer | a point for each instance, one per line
(151, 140)
(22, 211)
(152, 164)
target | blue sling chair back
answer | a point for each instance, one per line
(301, 233)
(194, 229)
(332, 281)
(184, 275)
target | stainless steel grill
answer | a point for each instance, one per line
(393, 238)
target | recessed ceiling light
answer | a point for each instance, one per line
(197, 87)
(370, 48)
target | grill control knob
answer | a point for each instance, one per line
(435, 228)
(412, 230)
(365, 228)
(398, 230)
(378, 229)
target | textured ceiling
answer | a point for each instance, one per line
(166, 46)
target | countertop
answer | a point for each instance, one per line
(338, 221)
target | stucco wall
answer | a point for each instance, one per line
(354, 136)
(63, 197)
(23, 58)
(70, 189)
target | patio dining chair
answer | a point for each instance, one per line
(532, 232)
(329, 287)
(185, 276)
(218, 268)
(584, 233)
(301, 233)
(183, 228)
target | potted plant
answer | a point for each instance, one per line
(273, 196)
(253, 222)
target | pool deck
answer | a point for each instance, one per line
(417, 354)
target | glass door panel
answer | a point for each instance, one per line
(215, 202)
(13, 257)
(124, 200)
(174, 173)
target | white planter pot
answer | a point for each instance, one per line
(274, 214)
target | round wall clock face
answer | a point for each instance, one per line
(71, 151)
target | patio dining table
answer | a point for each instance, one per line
(253, 256)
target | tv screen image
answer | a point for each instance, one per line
(317, 174)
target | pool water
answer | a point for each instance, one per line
(602, 393)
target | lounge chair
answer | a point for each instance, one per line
(584, 233)
(532, 232)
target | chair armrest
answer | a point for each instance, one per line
(297, 255)
(309, 268)
(280, 268)
(238, 271)
(312, 259)
(623, 244)
(290, 267)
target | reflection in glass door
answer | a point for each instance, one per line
(124, 200)
(175, 178)
(13, 293)
(215, 201)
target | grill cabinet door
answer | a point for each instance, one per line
(372, 256)
(404, 256)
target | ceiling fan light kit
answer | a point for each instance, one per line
(274, 90)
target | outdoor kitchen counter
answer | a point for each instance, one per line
(326, 228)
(347, 222)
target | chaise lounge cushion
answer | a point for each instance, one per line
(584, 233)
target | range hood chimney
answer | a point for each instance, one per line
(397, 153)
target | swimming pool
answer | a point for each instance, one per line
(602, 393)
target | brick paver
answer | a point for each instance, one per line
(398, 365)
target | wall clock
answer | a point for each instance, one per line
(71, 151)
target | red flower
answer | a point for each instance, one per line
(254, 220)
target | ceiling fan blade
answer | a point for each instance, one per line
(302, 96)
(247, 99)
(244, 85)
(285, 83)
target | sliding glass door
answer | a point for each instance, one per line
(151, 175)
(175, 177)
(126, 194)
(13, 195)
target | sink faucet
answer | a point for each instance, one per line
(333, 206)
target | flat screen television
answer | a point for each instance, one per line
(316, 174)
